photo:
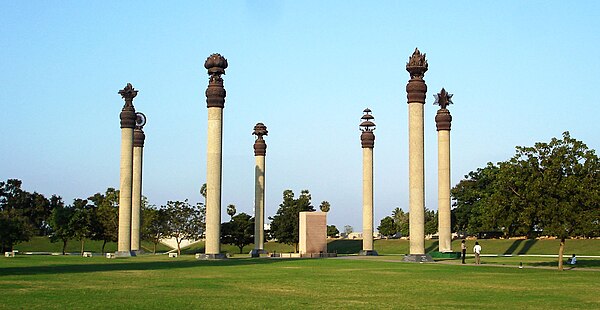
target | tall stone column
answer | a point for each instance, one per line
(260, 151)
(215, 101)
(443, 120)
(416, 89)
(138, 152)
(367, 139)
(125, 190)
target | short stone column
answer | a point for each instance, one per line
(215, 101)
(443, 121)
(416, 89)
(128, 118)
(136, 205)
(367, 139)
(260, 152)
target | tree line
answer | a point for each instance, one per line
(24, 215)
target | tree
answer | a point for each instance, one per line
(81, 221)
(239, 231)
(105, 218)
(284, 224)
(154, 225)
(431, 222)
(15, 225)
(401, 221)
(60, 221)
(387, 227)
(183, 222)
(231, 210)
(332, 231)
(325, 206)
(550, 188)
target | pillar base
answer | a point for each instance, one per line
(119, 254)
(418, 258)
(368, 253)
(257, 252)
(202, 256)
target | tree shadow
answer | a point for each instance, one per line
(434, 246)
(344, 246)
(527, 246)
(581, 263)
(513, 247)
(129, 265)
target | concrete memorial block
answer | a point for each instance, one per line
(110, 255)
(313, 232)
(9, 254)
(173, 254)
(87, 254)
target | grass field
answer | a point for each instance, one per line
(151, 281)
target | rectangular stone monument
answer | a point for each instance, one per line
(313, 232)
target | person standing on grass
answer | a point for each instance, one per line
(463, 248)
(477, 250)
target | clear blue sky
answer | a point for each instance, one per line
(520, 72)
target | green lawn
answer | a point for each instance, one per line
(53, 282)
(43, 244)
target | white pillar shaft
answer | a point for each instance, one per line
(136, 198)
(416, 176)
(367, 199)
(445, 233)
(259, 203)
(213, 180)
(126, 179)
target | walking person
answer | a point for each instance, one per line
(463, 249)
(477, 250)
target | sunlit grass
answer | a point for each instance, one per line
(244, 283)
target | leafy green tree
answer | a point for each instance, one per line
(15, 207)
(431, 222)
(154, 225)
(285, 223)
(550, 188)
(60, 222)
(239, 231)
(332, 231)
(81, 221)
(184, 221)
(401, 221)
(387, 227)
(105, 218)
(325, 206)
(14, 228)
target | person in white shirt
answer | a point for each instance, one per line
(573, 260)
(477, 250)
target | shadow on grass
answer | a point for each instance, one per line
(527, 246)
(581, 263)
(344, 246)
(434, 246)
(129, 265)
(513, 247)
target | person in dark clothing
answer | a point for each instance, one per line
(463, 248)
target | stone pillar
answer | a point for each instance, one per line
(136, 205)
(367, 139)
(215, 101)
(443, 120)
(125, 190)
(260, 151)
(416, 89)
